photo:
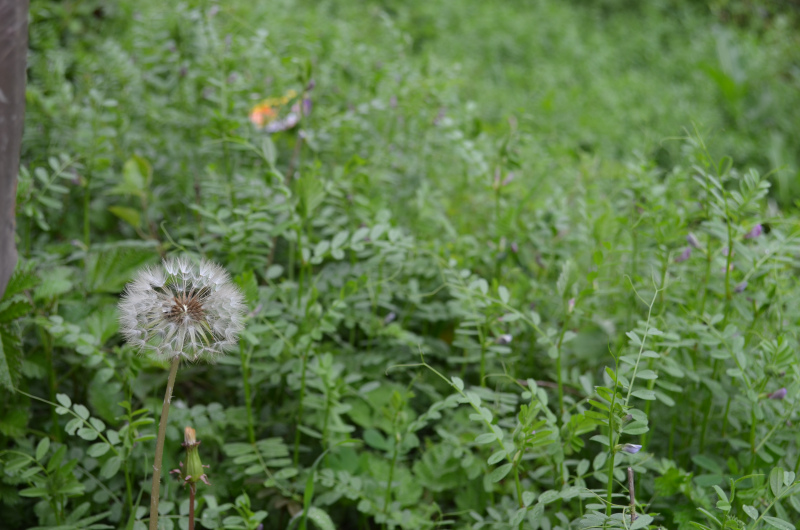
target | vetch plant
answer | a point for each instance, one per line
(181, 310)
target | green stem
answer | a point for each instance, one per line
(192, 491)
(52, 383)
(753, 424)
(251, 435)
(610, 486)
(162, 432)
(86, 200)
(299, 419)
(519, 491)
(388, 499)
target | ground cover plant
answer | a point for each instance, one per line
(504, 265)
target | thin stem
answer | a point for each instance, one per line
(631, 491)
(519, 491)
(162, 432)
(299, 419)
(192, 491)
(388, 499)
(251, 434)
(753, 425)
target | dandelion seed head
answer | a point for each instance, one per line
(182, 309)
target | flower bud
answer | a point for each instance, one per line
(687, 252)
(778, 394)
(754, 232)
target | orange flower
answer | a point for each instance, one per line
(262, 114)
(267, 111)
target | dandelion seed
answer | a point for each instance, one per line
(686, 254)
(692, 240)
(182, 309)
(631, 448)
(754, 232)
(740, 287)
(778, 394)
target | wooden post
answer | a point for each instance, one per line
(13, 58)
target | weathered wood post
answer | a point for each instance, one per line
(13, 58)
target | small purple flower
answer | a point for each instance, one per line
(740, 287)
(631, 448)
(508, 179)
(692, 240)
(570, 306)
(754, 232)
(390, 318)
(687, 252)
(778, 394)
(514, 247)
(504, 339)
(307, 105)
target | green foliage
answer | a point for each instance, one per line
(502, 261)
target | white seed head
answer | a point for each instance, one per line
(182, 309)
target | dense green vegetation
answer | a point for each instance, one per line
(506, 244)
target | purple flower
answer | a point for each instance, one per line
(687, 252)
(570, 305)
(778, 394)
(504, 339)
(307, 106)
(631, 448)
(692, 240)
(754, 232)
(508, 179)
(390, 318)
(514, 247)
(740, 287)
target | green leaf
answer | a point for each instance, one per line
(129, 215)
(14, 310)
(485, 438)
(98, 449)
(5, 372)
(319, 517)
(499, 473)
(751, 512)
(778, 524)
(81, 411)
(42, 448)
(528, 497)
(64, 400)
(111, 467)
(649, 395)
(776, 481)
(34, 492)
(504, 295)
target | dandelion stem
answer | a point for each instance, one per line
(162, 431)
(192, 491)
